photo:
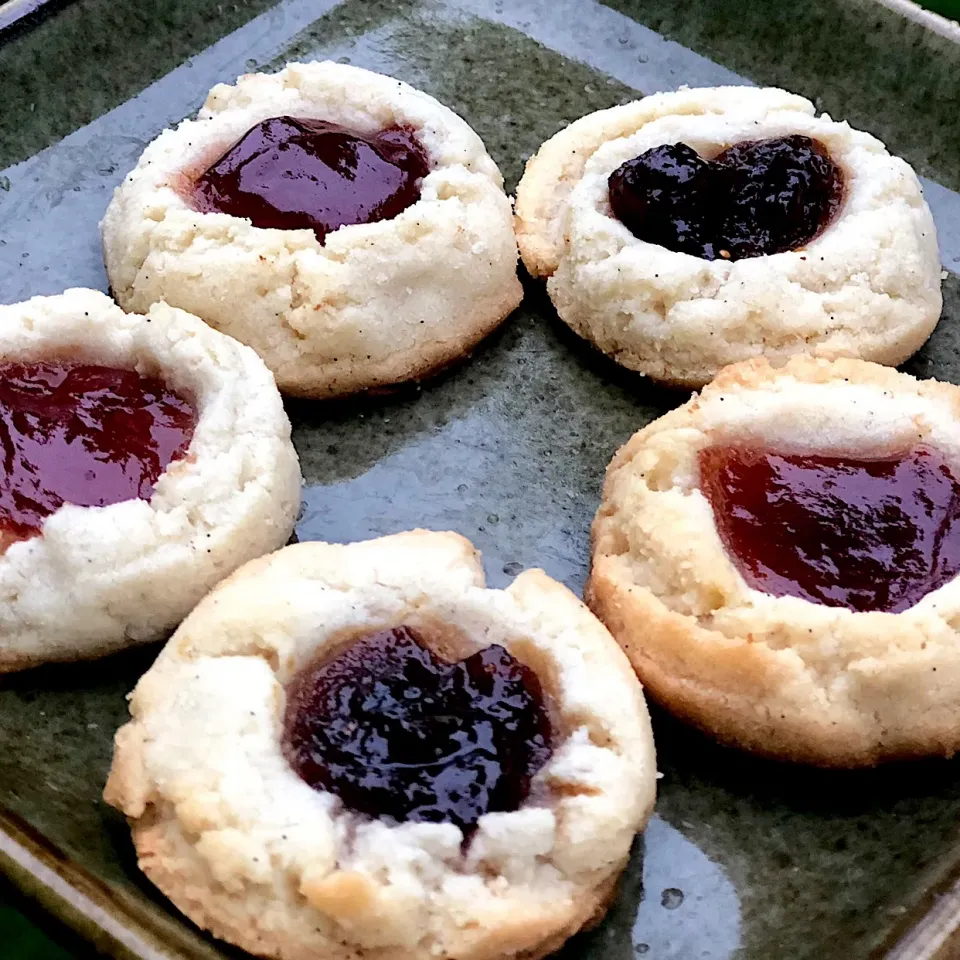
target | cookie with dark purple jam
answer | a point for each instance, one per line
(396, 731)
(688, 231)
(364, 751)
(753, 199)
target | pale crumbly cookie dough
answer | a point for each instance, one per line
(867, 287)
(376, 304)
(227, 830)
(98, 579)
(778, 675)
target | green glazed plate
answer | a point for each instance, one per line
(745, 859)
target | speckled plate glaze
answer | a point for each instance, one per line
(744, 859)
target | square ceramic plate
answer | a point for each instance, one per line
(745, 858)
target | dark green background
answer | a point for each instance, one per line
(25, 933)
(949, 8)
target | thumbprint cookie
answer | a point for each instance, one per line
(779, 558)
(690, 230)
(145, 458)
(359, 749)
(349, 228)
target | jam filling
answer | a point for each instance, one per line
(291, 173)
(756, 198)
(396, 732)
(82, 434)
(865, 534)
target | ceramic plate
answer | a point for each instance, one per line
(745, 858)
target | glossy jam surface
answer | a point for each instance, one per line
(82, 434)
(396, 732)
(293, 174)
(755, 198)
(862, 534)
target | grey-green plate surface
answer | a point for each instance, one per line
(745, 858)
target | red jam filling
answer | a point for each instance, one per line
(82, 434)
(396, 732)
(756, 198)
(290, 173)
(865, 534)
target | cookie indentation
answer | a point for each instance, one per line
(396, 732)
(292, 173)
(865, 534)
(756, 198)
(82, 434)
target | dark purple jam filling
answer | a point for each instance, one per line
(756, 198)
(396, 732)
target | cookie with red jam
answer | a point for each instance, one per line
(779, 558)
(144, 460)
(352, 749)
(690, 230)
(349, 228)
